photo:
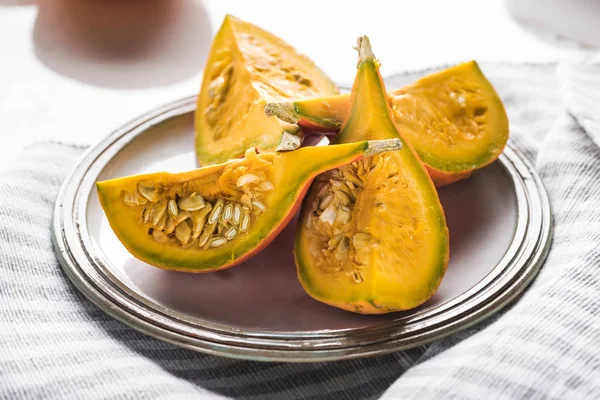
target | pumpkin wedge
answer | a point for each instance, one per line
(246, 68)
(453, 119)
(217, 216)
(372, 236)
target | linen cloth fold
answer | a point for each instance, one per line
(56, 344)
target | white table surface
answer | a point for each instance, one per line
(74, 70)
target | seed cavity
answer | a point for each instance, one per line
(192, 221)
(331, 212)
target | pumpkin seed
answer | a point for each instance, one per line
(361, 239)
(172, 207)
(216, 212)
(183, 232)
(227, 212)
(343, 215)
(328, 215)
(309, 220)
(245, 224)
(366, 163)
(323, 188)
(352, 177)
(218, 241)
(237, 214)
(325, 201)
(149, 191)
(171, 224)
(260, 206)
(134, 199)
(199, 220)
(246, 179)
(266, 186)
(341, 187)
(146, 215)
(162, 222)
(159, 236)
(342, 197)
(230, 233)
(193, 202)
(208, 230)
(183, 215)
(158, 211)
(341, 252)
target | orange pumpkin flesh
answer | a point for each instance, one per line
(454, 119)
(246, 67)
(217, 216)
(372, 236)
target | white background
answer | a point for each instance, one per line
(74, 70)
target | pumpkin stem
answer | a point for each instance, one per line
(365, 51)
(290, 142)
(381, 146)
(285, 111)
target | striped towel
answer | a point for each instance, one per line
(55, 344)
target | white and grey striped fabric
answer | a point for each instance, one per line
(55, 344)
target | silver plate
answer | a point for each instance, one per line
(500, 224)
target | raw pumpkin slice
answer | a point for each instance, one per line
(372, 236)
(217, 216)
(247, 67)
(453, 119)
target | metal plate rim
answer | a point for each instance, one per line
(77, 263)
